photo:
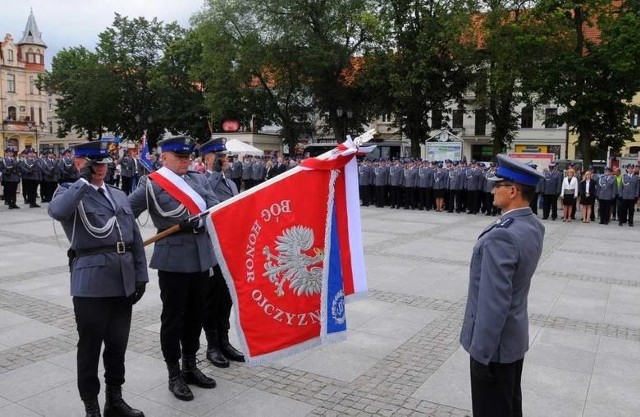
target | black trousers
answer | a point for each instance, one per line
(605, 211)
(29, 190)
(625, 213)
(217, 305)
(127, 183)
(10, 192)
(472, 201)
(380, 195)
(47, 189)
(549, 202)
(365, 195)
(101, 320)
(491, 209)
(454, 202)
(182, 296)
(501, 397)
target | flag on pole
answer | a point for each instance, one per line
(286, 255)
(144, 154)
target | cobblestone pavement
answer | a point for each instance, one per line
(401, 357)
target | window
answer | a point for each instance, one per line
(11, 83)
(526, 118)
(11, 114)
(436, 119)
(10, 55)
(385, 118)
(32, 113)
(481, 122)
(32, 85)
(634, 118)
(550, 115)
(458, 119)
(40, 114)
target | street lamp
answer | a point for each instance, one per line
(33, 127)
(348, 114)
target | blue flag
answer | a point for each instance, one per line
(144, 155)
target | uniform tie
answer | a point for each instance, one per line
(103, 194)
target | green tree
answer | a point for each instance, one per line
(594, 70)
(418, 69)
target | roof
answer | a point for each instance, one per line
(31, 34)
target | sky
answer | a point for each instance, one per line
(68, 23)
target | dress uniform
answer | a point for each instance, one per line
(31, 177)
(10, 177)
(550, 187)
(49, 169)
(183, 259)
(67, 171)
(218, 300)
(628, 194)
(495, 331)
(607, 189)
(108, 274)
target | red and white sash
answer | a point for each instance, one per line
(178, 188)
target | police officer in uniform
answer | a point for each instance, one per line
(67, 171)
(218, 300)
(49, 170)
(183, 260)
(607, 189)
(31, 177)
(10, 178)
(495, 330)
(236, 172)
(628, 193)
(550, 186)
(108, 275)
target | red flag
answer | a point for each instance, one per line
(277, 276)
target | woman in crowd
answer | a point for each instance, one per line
(569, 193)
(587, 193)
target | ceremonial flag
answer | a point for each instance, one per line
(144, 154)
(284, 249)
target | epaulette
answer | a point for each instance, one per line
(504, 223)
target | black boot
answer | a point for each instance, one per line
(213, 351)
(193, 375)
(228, 350)
(177, 385)
(92, 408)
(115, 406)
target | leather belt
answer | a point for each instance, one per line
(119, 247)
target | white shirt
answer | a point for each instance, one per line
(569, 185)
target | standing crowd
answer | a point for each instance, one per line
(455, 186)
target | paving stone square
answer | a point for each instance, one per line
(402, 355)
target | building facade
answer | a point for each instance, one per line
(26, 120)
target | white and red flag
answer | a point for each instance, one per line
(286, 249)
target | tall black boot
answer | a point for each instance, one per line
(227, 349)
(193, 375)
(213, 351)
(115, 406)
(177, 384)
(92, 408)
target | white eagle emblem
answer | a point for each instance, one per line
(292, 264)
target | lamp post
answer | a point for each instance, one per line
(33, 127)
(347, 114)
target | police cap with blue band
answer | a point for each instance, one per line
(96, 151)
(179, 145)
(510, 169)
(213, 146)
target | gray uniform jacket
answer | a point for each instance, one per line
(30, 169)
(440, 180)
(551, 183)
(223, 190)
(423, 177)
(179, 252)
(236, 170)
(456, 179)
(630, 187)
(9, 169)
(49, 170)
(67, 171)
(607, 187)
(380, 176)
(505, 257)
(127, 166)
(473, 179)
(102, 274)
(247, 170)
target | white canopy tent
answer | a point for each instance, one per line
(236, 147)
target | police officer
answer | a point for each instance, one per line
(495, 329)
(550, 186)
(606, 194)
(247, 172)
(127, 173)
(67, 171)
(108, 275)
(49, 171)
(218, 300)
(628, 193)
(31, 177)
(183, 259)
(10, 177)
(236, 172)
(455, 184)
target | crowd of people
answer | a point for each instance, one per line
(457, 186)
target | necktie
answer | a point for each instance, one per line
(103, 194)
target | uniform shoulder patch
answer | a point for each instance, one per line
(505, 223)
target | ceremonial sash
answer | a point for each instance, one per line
(178, 188)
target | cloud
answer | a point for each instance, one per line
(68, 23)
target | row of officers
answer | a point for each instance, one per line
(109, 274)
(460, 187)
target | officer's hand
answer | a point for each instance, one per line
(138, 293)
(86, 171)
(482, 372)
(186, 226)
